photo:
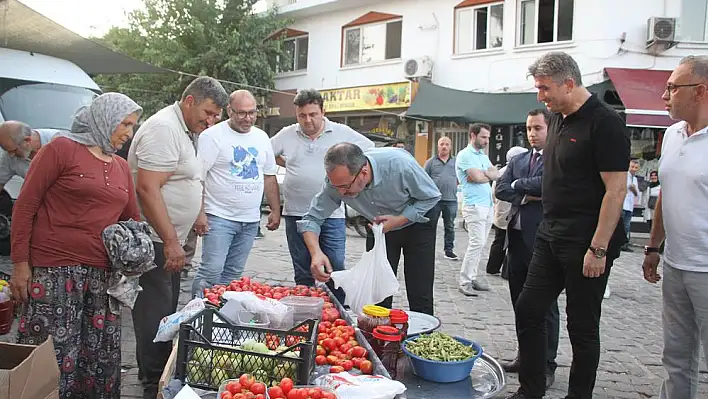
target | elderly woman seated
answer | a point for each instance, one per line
(75, 187)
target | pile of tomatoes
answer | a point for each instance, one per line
(245, 284)
(285, 390)
(337, 347)
(246, 387)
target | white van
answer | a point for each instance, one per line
(42, 91)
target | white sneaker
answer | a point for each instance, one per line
(607, 292)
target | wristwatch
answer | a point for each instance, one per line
(599, 252)
(648, 250)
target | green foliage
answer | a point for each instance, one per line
(219, 38)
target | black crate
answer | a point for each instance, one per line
(207, 353)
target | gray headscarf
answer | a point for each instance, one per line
(94, 124)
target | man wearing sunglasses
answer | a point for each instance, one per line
(388, 187)
(681, 216)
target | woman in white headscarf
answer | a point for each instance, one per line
(75, 187)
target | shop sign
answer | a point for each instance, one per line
(380, 130)
(393, 95)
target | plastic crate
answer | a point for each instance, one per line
(208, 355)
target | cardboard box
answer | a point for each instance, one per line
(29, 372)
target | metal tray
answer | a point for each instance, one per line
(421, 323)
(487, 378)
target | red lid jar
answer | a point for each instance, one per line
(387, 347)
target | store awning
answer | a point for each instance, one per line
(443, 103)
(27, 30)
(640, 91)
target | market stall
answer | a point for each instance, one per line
(317, 343)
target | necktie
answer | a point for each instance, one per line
(534, 159)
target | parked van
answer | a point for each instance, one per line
(42, 91)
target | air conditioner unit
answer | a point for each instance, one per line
(421, 67)
(661, 30)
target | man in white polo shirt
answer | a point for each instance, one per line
(301, 148)
(681, 216)
(238, 166)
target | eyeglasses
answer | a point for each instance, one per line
(672, 88)
(348, 186)
(244, 114)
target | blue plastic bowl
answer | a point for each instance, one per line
(435, 371)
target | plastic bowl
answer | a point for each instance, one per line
(443, 372)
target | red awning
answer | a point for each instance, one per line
(640, 91)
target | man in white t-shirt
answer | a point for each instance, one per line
(628, 205)
(681, 216)
(238, 166)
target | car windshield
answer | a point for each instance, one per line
(42, 105)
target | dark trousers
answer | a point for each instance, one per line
(497, 252)
(557, 264)
(158, 299)
(519, 258)
(417, 242)
(333, 238)
(448, 209)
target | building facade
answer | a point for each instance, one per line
(366, 54)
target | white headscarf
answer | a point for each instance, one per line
(94, 124)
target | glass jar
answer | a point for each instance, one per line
(387, 345)
(372, 316)
(399, 319)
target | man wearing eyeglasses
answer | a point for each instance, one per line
(681, 216)
(238, 166)
(300, 149)
(388, 187)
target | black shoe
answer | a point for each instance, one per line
(511, 367)
(550, 379)
(451, 255)
(626, 248)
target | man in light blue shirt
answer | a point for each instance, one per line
(387, 186)
(475, 172)
(20, 144)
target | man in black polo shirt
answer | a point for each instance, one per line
(584, 184)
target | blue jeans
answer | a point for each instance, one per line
(448, 209)
(333, 236)
(225, 249)
(627, 221)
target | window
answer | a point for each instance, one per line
(545, 21)
(479, 28)
(295, 58)
(372, 43)
(694, 20)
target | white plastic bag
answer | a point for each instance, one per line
(371, 280)
(278, 313)
(169, 325)
(348, 386)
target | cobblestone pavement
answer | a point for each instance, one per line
(630, 364)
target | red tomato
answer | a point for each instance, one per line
(320, 360)
(336, 369)
(347, 365)
(359, 351)
(295, 394)
(246, 381)
(328, 395)
(260, 396)
(340, 322)
(357, 361)
(315, 393)
(345, 348)
(234, 387)
(336, 352)
(366, 367)
(258, 387)
(239, 396)
(321, 350)
(278, 296)
(286, 384)
(276, 392)
(329, 344)
(339, 342)
(226, 395)
(249, 395)
(332, 360)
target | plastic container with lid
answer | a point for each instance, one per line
(399, 319)
(372, 316)
(387, 345)
(304, 307)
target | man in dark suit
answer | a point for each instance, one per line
(521, 186)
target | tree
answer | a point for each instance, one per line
(223, 39)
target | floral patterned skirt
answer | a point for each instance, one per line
(71, 304)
